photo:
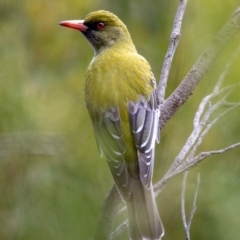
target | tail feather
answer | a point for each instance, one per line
(144, 220)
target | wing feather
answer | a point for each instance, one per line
(110, 141)
(144, 119)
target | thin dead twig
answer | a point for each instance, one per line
(173, 43)
(187, 224)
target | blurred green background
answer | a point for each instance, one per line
(52, 180)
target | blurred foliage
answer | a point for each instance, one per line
(52, 180)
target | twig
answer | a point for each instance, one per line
(186, 224)
(194, 207)
(208, 126)
(204, 155)
(181, 166)
(173, 43)
(203, 128)
(194, 162)
(227, 90)
(119, 230)
(183, 200)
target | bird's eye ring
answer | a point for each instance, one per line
(100, 25)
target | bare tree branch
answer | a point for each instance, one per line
(183, 201)
(197, 135)
(204, 155)
(208, 126)
(198, 159)
(173, 43)
(201, 126)
(119, 231)
(207, 100)
(186, 224)
(203, 64)
(188, 165)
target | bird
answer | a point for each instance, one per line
(121, 98)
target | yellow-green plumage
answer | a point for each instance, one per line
(121, 100)
(107, 85)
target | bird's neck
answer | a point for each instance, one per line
(117, 46)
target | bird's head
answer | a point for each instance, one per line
(102, 29)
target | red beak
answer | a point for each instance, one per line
(75, 24)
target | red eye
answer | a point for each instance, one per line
(100, 25)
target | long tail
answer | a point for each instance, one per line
(144, 220)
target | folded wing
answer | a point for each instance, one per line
(144, 118)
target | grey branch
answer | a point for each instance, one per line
(204, 155)
(186, 224)
(119, 231)
(173, 43)
(202, 123)
(200, 68)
